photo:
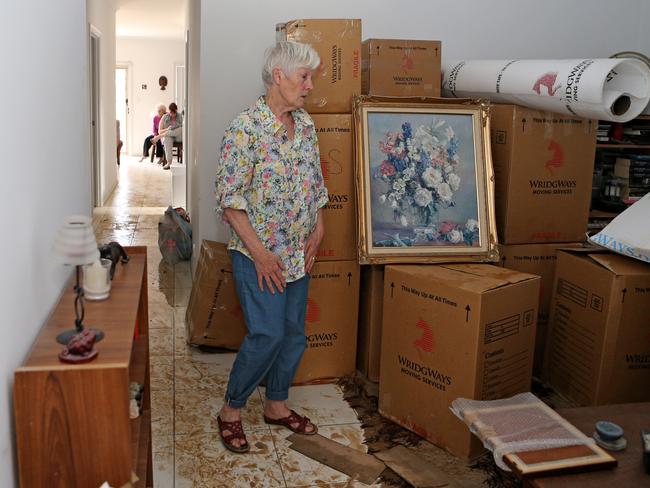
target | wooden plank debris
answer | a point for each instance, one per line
(418, 472)
(364, 467)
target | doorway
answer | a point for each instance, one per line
(122, 105)
(95, 171)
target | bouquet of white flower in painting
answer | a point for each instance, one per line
(420, 171)
(457, 233)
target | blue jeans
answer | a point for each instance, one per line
(276, 335)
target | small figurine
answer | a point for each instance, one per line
(80, 348)
(115, 252)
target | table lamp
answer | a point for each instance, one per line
(75, 245)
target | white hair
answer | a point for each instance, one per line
(288, 56)
(161, 107)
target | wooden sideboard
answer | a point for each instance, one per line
(72, 420)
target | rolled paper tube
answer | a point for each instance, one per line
(608, 89)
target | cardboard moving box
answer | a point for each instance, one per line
(371, 299)
(335, 143)
(598, 349)
(449, 331)
(214, 316)
(400, 68)
(338, 43)
(331, 322)
(536, 259)
(543, 165)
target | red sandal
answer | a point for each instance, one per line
(294, 418)
(237, 433)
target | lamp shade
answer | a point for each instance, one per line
(75, 242)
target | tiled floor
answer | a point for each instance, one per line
(187, 386)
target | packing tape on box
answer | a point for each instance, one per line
(608, 89)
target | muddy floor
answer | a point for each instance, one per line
(382, 434)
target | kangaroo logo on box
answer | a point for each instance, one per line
(407, 63)
(547, 80)
(313, 311)
(323, 167)
(316, 337)
(557, 157)
(425, 342)
(330, 165)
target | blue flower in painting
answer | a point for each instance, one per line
(406, 130)
(452, 147)
(399, 163)
(420, 171)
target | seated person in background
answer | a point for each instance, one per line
(170, 130)
(161, 110)
(118, 141)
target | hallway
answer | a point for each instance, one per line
(187, 385)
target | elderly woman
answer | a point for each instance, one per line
(171, 131)
(160, 111)
(270, 190)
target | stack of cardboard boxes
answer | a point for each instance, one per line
(598, 349)
(390, 68)
(593, 341)
(214, 317)
(432, 333)
(543, 164)
(331, 323)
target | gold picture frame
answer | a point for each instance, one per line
(425, 182)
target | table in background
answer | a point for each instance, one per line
(632, 417)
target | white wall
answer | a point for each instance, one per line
(192, 124)
(235, 34)
(148, 59)
(101, 15)
(43, 49)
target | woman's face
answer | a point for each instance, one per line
(295, 87)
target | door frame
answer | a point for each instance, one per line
(94, 114)
(128, 130)
(187, 148)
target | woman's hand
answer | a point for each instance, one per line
(313, 241)
(268, 265)
(270, 270)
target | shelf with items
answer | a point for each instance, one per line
(629, 135)
(72, 420)
(622, 146)
(622, 166)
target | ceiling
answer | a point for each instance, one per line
(154, 19)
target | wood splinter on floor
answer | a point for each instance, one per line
(412, 468)
(364, 467)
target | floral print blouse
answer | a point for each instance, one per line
(277, 181)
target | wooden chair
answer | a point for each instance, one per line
(153, 153)
(178, 146)
(177, 151)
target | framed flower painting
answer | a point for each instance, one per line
(425, 184)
